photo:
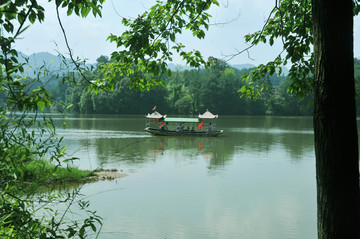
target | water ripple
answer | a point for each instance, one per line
(269, 131)
(99, 134)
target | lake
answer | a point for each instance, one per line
(257, 180)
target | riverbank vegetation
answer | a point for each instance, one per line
(185, 92)
(49, 174)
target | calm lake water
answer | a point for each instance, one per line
(257, 180)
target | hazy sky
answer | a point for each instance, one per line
(87, 36)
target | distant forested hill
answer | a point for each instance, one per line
(47, 67)
(188, 92)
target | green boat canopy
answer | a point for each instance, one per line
(182, 120)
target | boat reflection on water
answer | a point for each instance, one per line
(192, 148)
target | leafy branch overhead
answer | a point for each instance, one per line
(14, 15)
(149, 43)
(291, 22)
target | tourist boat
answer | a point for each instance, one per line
(158, 124)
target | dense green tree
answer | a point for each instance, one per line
(86, 102)
(281, 102)
(184, 105)
(187, 92)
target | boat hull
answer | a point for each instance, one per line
(182, 133)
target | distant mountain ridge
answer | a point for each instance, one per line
(243, 66)
(52, 62)
(175, 67)
(43, 60)
(37, 60)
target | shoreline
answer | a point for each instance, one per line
(108, 175)
(42, 172)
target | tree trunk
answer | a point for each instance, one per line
(336, 140)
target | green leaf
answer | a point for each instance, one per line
(41, 105)
(93, 227)
(70, 9)
(32, 17)
(71, 231)
(63, 150)
(84, 11)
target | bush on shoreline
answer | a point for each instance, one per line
(47, 173)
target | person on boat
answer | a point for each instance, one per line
(164, 126)
(211, 128)
(180, 127)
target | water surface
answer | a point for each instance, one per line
(255, 181)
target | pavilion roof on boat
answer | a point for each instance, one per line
(207, 115)
(155, 115)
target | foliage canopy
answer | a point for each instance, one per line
(150, 40)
